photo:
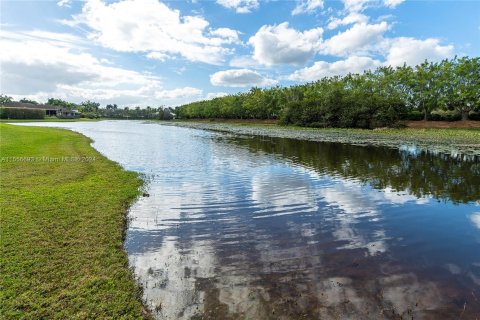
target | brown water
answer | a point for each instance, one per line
(261, 228)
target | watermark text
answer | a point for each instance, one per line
(47, 159)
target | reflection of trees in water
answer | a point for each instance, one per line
(419, 173)
(218, 260)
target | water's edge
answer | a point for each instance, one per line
(147, 313)
(241, 223)
(422, 144)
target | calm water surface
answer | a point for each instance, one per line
(261, 228)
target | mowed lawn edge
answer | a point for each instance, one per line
(63, 217)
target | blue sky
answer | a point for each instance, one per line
(148, 52)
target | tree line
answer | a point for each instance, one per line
(92, 109)
(446, 90)
(87, 109)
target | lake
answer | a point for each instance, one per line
(239, 227)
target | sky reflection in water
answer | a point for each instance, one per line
(241, 227)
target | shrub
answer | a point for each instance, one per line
(413, 115)
(292, 114)
(474, 115)
(21, 113)
(90, 115)
(445, 116)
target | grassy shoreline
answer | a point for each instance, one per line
(454, 141)
(62, 228)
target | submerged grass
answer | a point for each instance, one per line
(62, 226)
(465, 141)
(461, 136)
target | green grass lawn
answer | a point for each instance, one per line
(62, 228)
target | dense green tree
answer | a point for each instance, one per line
(375, 98)
(25, 100)
(426, 87)
(61, 103)
(5, 99)
(462, 85)
(89, 106)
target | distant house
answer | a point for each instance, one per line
(66, 113)
(50, 111)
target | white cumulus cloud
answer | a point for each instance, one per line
(178, 93)
(212, 95)
(307, 6)
(359, 37)
(240, 6)
(58, 65)
(226, 35)
(394, 52)
(64, 3)
(280, 44)
(414, 51)
(322, 69)
(352, 12)
(360, 5)
(356, 5)
(240, 78)
(244, 62)
(158, 56)
(151, 26)
(392, 3)
(351, 18)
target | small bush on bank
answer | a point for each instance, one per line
(445, 116)
(413, 115)
(90, 115)
(474, 115)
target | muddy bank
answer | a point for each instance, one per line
(466, 124)
(439, 141)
